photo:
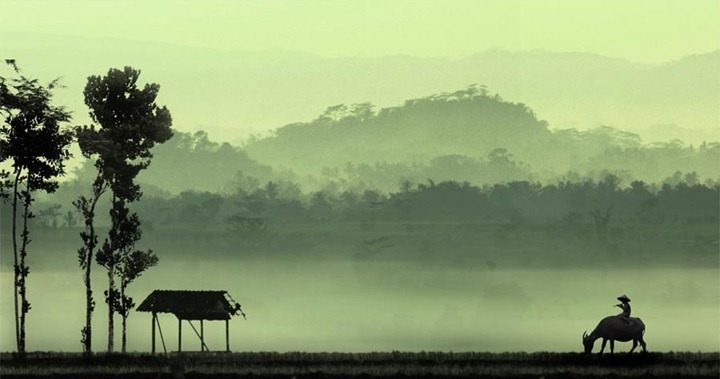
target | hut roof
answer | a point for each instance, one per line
(191, 305)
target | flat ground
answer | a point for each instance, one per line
(362, 365)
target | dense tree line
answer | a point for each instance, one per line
(680, 198)
(684, 201)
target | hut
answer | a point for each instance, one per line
(191, 306)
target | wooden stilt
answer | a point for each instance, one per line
(202, 336)
(227, 335)
(179, 334)
(154, 315)
(202, 342)
(162, 338)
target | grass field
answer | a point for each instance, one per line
(363, 365)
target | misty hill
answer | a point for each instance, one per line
(233, 94)
(467, 136)
(579, 90)
(467, 122)
(194, 161)
(186, 162)
(461, 128)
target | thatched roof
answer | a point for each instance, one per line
(191, 305)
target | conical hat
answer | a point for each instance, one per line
(624, 298)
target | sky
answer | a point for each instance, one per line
(239, 69)
(640, 30)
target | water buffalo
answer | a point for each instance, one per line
(613, 328)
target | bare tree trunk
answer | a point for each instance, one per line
(124, 311)
(111, 311)
(89, 303)
(25, 305)
(87, 331)
(90, 245)
(124, 333)
(16, 268)
(111, 293)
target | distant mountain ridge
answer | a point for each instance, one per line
(466, 135)
(469, 134)
(233, 94)
(469, 122)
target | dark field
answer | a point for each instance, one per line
(364, 365)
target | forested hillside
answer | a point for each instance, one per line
(467, 135)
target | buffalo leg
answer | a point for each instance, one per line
(635, 343)
(603, 346)
(642, 343)
(612, 346)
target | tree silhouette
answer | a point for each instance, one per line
(38, 147)
(129, 125)
(130, 264)
(86, 206)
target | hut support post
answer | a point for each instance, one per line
(179, 334)
(227, 335)
(162, 338)
(202, 336)
(154, 315)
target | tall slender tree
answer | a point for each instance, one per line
(129, 124)
(33, 139)
(87, 206)
(6, 105)
(131, 267)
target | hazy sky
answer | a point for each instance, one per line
(644, 30)
(240, 68)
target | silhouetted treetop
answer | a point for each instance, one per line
(126, 112)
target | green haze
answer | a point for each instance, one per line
(236, 69)
(639, 30)
(394, 175)
(334, 305)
